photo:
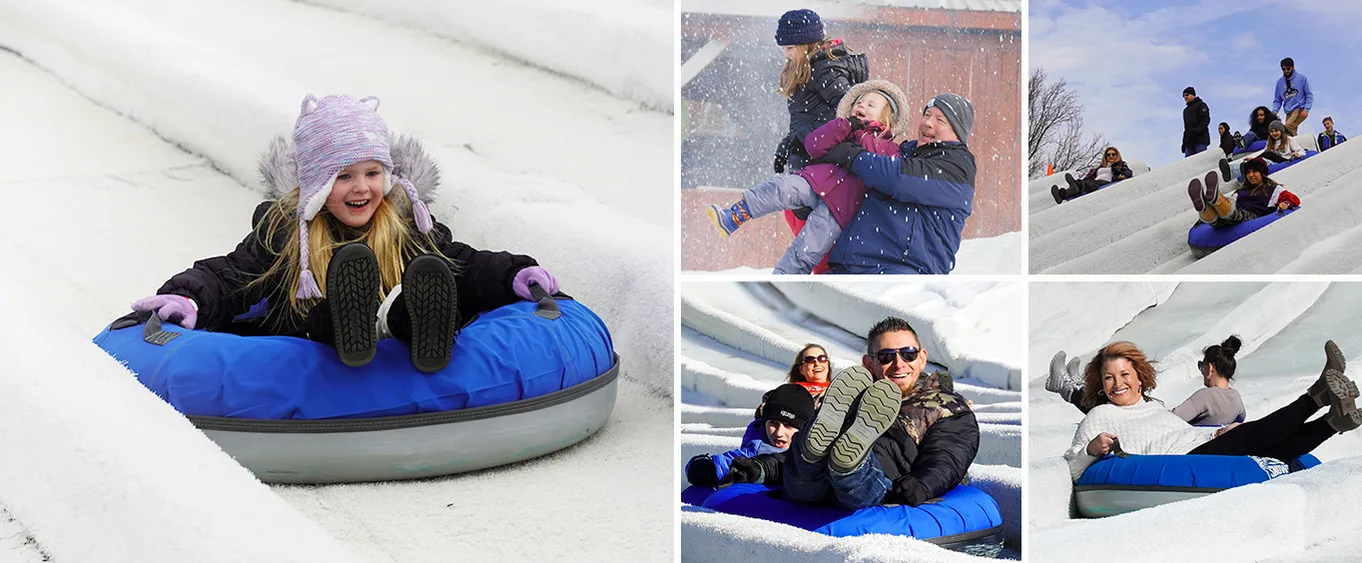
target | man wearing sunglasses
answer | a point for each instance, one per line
(886, 433)
(1293, 96)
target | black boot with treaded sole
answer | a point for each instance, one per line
(831, 415)
(878, 408)
(352, 284)
(433, 305)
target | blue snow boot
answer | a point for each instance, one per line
(728, 220)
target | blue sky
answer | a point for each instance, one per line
(1129, 62)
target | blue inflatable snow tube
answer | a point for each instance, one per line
(1275, 167)
(963, 515)
(505, 355)
(1205, 239)
(1258, 145)
(1115, 485)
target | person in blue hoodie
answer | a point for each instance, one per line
(1293, 96)
(914, 214)
(783, 411)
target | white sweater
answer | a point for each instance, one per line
(1145, 427)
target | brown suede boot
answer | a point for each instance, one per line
(1194, 191)
(1222, 206)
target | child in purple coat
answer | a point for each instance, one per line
(871, 114)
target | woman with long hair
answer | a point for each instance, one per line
(1123, 416)
(1112, 169)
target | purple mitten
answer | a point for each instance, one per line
(532, 275)
(173, 308)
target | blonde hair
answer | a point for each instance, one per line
(797, 72)
(388, 234)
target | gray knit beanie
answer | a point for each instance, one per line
(959, 113)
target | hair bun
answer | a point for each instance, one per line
(1231, 345)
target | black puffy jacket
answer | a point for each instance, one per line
(1196, 124)
(219, 284)
(815, 103)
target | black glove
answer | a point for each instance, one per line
(910, 491)
(700, 471)
(803, 215)
(782, 155)
(743, 470)
(843, 154)
(856, 123)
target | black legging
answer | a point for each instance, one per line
(1283, 435)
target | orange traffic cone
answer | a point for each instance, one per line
(1049, 169)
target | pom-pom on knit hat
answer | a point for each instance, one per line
(331, 134)
(799, 27)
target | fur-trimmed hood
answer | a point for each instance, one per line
(279, 168)
(901, 123)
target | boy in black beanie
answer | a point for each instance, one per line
(783, 411)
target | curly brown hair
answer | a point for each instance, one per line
(795, 375)
(1092, 374)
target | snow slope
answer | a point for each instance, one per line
(737, 340)
(567, 38)
(141, 124)
(1283, 326)
(1140, 226)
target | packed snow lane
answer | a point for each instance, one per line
(738, 340)
(1142, 226)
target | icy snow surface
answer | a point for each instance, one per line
(1140, 225)
(737, 342)
(1307, 516)
(139, 124)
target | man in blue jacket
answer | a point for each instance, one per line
(914, 214)
(1293, 96)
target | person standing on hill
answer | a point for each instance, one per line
(1196, 124)
(1293, 96)
(1330, 137)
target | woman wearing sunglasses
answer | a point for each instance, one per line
(811, 369)
(1113, 169)
(1117, 385)
(1217, 404)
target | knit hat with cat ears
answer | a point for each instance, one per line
(331, 134)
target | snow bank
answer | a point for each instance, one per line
(993, 255)
(617, 45)
(1230, 531)
(213, 103)
(732, 389)
(946, 327)
(1080, 317)
(149, 488)
(712, 536)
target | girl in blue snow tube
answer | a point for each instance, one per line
(329, 259)
(1118, 382)
(1257, 197)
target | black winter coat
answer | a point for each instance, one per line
(1196, 124)
(218, 284)
(815, 103)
